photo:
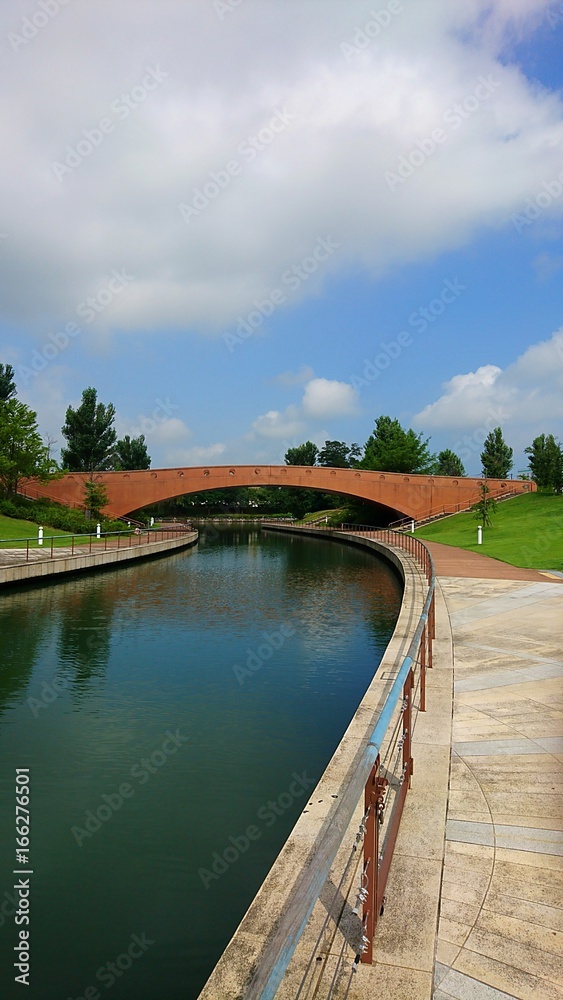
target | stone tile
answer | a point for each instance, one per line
(470, 833)
(446, 952)
(462, 987)
(518, 955)
(481, 748)
(515, 982)
(461, 912)
(453, 931)
(406, 936)
(539, 937)
(517, 861)
(535, 913)
(459, 892)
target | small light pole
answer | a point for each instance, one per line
(40, 535)
(479, 535)
(98, 531)
(412, 527)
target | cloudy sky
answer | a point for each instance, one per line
(252, 222)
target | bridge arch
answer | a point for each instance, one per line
(413, 496)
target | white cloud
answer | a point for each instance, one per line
(274, 424)
(325, 398)
(525, 398)
(322, 399)
(343, 123)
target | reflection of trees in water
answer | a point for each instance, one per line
(85, 632)
(22, 627)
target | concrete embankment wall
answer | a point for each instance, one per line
(56, 567)
(238, 965)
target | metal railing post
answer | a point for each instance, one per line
(373, 809)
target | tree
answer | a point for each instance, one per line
(90, 434)
(131, 453)
(546, 462)
(392, 449)
(337, 454)
(448, 464)
(496, 457)
(303, 454)
(95, 497)
(7, 384)
(485, 507)
(22, 452)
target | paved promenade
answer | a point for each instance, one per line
(500, 933)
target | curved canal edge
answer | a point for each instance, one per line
(405, 940)
(56, 567)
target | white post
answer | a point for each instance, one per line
(98, 531)
(412, 527)
(40, 535)
(479, 535)
(152, 521)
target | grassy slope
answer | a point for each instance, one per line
(15, 528)
(527, 531)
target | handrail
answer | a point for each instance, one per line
(279, 951)
(137, 536)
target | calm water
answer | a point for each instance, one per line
(162, 710)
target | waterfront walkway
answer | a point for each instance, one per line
(501, 901)
(474, 906)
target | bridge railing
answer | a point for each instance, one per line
(382, 777)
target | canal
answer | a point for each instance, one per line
(174, 716)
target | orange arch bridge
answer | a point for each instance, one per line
(400, 495)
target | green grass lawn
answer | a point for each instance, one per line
(13, 529)
(527, 531)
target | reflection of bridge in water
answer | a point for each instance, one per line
(398, 495)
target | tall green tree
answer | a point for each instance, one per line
(485, 507)
(90, 434)
(448, 464)
(131, 453)
(302, 454)
(546, 462)
(7, 384)
(496, 457)
(338, 455)
(391, 448)
(22, 452)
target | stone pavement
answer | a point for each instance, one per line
(500, 933)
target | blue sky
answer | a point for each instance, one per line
(291, 218)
